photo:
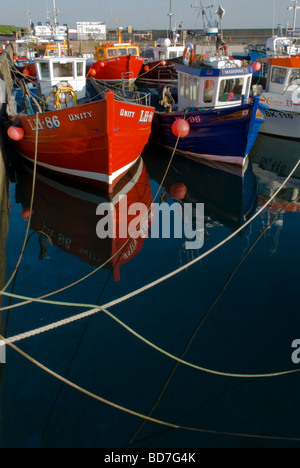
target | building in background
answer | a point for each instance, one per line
(91, 31)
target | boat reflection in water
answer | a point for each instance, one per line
(66, 214)
(273, 159)
(229, 192)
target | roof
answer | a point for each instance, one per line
(287, 62)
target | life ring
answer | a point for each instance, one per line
(189, 54)
(60, 90)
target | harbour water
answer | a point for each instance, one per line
(235, 312)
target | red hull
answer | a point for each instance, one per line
(115, 69)
(96, 142)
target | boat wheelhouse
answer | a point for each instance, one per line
(214, 98)
(282, 96)
(116, 62)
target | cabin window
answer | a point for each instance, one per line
(295, 77)
(162, 56)
(181, 86)
(100, 52)
(187, 87)
(45, 73)
(196, 86)
(249, 81)
(80, 71)
(62, 70)
(149, 54)
(132, 51)
(209, 91)
(112, 52)
(231, 90)
(122, 52)
(278, 75)
(173, 54)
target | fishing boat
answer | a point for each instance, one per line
(215, 118)
(66, 215)
(84, 131)
(116, 62)
(282, 96)
(159, 64)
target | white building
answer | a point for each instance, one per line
(91, 30)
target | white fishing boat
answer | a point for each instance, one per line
(282, 96)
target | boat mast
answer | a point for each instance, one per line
(170, 14)
(295, 8)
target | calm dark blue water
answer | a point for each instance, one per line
(236, 312)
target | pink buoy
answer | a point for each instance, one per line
(26, 214)
(181, 128)
(257, 66)
(178, 191)
(163, 63)
(15, 133)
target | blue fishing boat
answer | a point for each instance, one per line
(214, 101)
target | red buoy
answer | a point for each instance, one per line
(257, 66)
(26, 214)
(26, 72)
(102, 64)
(181, 128)
(178, 191)
(93, 72)
(163, 63)
(146, 68)
(15, 133)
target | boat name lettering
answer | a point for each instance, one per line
(146, 116)
(81, 116)
(191, 119)
(125, 113)
(49, 122)
(281, 115)
(234, 71)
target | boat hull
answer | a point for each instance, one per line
(96, 142)
(116, 69)
(220, 135)
(282, 124)
(158, 74)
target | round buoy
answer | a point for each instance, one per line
(163, 63)
(257, 66)
(15, 133)
(146, 68)
(178, 191)
(102, 64)
(16, 57)
(93, 72)
(26, 72)
(26, 214)
(181, 128)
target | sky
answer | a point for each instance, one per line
(140, 14)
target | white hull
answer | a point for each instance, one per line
(282, 124)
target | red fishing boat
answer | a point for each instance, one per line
(116, 62)
(86, 132)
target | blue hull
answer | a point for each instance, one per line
(219, 134)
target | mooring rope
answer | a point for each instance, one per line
(30, 209)
(140, 415)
